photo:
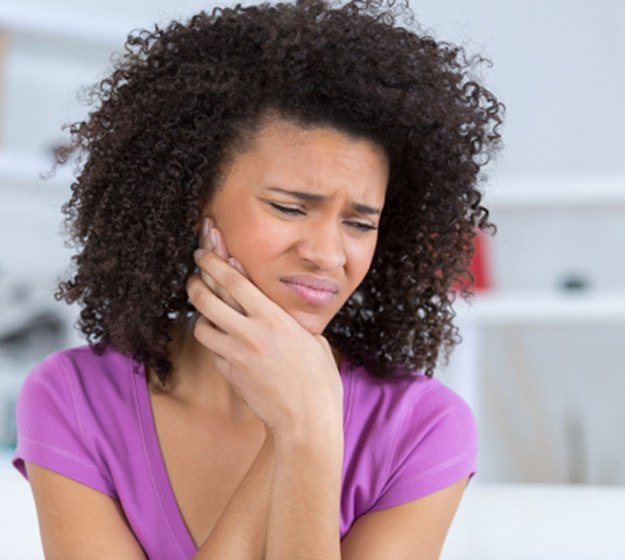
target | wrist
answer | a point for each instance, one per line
(308, 437)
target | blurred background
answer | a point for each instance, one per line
(543, 357)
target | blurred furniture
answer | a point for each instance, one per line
(19, 536)
(538, 522)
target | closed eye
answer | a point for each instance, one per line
(291, 211)
(362, 227)
(287, 209)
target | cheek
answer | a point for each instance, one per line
(360, 258)
(255, 244)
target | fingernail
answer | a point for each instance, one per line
(212, 238)
(235, 263)
(207, 224)
(197, 254)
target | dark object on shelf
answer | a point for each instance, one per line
(575, 283)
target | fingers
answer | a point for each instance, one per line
(211, 337)
(210, 306)
(252, 300)
(211, 239)
(214, 239)
(206, 242)
(220, 345)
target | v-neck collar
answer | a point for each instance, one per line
(156, 461)
(156, 467)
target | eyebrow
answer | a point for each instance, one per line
(312, 197)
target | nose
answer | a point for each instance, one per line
(322, 245)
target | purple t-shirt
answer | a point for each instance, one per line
(89, 417)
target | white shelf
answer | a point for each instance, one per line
(559, 192)
(545, 309)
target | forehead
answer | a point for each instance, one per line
(322, 159)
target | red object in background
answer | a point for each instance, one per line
(479, 264)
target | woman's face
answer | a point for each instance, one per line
(299, 210)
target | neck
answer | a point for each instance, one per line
(195, 382)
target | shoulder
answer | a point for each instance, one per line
(81, 359)
(78, 372)
(81, 388)
(405, 403)
(73, 409)
(406, 438)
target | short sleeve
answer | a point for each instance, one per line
(49, 429)
(435, 446)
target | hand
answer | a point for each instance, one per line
(210, 238)
(287, 376)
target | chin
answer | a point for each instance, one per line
(312, 323)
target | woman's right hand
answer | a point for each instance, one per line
(210, 238)
(286, 375)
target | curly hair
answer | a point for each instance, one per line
(181, 100)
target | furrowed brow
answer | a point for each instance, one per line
(300, 195)
(312, 197)
(364, 209)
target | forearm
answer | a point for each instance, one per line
(241, 530)
(305, 498)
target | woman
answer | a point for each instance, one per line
(274, 207)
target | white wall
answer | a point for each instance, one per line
(558, 67)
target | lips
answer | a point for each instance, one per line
(312, 289)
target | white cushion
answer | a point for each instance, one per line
(536, 522)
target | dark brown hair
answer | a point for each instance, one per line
(181, 99)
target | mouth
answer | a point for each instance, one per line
(312, 289)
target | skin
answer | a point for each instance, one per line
(274, 234)
(254, 356)
(326, 238)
